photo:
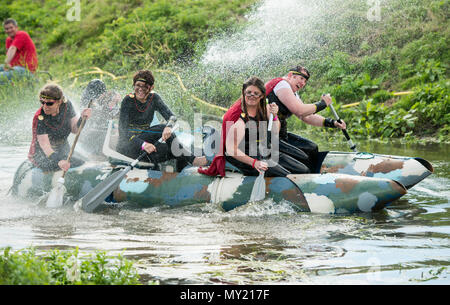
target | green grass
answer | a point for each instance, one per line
(349, 57)
(25, 267)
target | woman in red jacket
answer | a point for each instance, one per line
(52, 125)
(244, 128)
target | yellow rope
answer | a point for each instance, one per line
(180, 81)
(403, 93)
(350, 105)
(394, 94)
(97, 70)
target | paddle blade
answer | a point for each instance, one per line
(259, 189)
(269, 128)
(98, 194)
(55, 198)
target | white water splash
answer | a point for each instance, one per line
(278, 31)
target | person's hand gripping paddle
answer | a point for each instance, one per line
(259, 187)
(55, 198)
(97, 195)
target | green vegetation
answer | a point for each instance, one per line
(350, 57)
(406, 51)
(121, 35)
(64, 268)
(355, 60)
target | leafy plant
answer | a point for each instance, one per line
(349, 57)
(64, 268)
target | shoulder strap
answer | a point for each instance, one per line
(271, 84)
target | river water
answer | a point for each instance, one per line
(407, 243)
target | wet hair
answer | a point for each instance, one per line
(94, 90)
(52, 91)
(300, 70)
(10, 21)
(145, 76)
(261, 113)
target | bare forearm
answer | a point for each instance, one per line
(314, 120)
(74, 124)
(45, 145)
(10, 55)
(233, 150)
(242, 157)
(304, 110)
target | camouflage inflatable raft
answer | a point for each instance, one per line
(347, 183)
(360, 185)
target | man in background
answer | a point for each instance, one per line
(21, 56)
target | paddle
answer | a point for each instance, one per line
(269, 128)
(102, 190)
(344, 131)
(98, 194)
(55, 198)
(259, 187)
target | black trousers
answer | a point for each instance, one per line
(301, 149)
(163, 150)
(286, 165)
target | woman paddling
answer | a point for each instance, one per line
(135, 134)
(241, 148)
(52, 125)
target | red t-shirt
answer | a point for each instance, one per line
(26, 51)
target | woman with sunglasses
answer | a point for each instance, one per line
(135, 133)
(52, 125)
(244, 137)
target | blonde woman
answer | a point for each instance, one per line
(52, 125)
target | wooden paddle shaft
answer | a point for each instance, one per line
(83, 122)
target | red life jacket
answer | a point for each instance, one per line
(32, 150)
(271, 84)
(217, 166)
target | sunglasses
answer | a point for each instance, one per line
(47, 103)
(250, 94)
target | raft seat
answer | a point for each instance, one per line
(116, 158)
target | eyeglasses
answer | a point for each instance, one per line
(47, 103)
(250, 94)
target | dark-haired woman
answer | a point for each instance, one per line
(135, 134)
(243, 148)
(52, 125)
